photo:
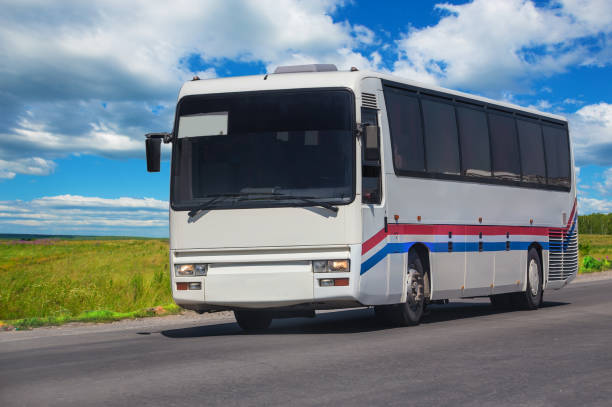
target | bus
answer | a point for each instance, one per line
(312, 188)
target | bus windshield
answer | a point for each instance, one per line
(262, 149)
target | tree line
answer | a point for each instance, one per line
(595, 223)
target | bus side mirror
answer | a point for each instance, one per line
(372, 146)
(153, 153)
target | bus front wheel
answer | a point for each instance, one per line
(253, 320)
(411, 311)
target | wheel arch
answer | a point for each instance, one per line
(419, 249)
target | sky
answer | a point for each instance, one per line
(82, 82)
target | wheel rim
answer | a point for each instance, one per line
(534, 277)
(415, 290)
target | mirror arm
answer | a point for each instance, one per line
(166, 137)
(360, 130)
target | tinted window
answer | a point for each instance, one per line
(441, 142)
(474, 136)
(557, 155)
(504, 146)
(406, 129)
(277, 145)
(532, 151)
(370, 174)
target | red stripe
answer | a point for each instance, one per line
(373, 241)
(470, 230)
(571, 218)
(463, 230)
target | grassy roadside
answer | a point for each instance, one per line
(54, 281)
(594, 253)
(89, 316)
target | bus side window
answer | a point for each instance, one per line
(371, 186)
(556, 145)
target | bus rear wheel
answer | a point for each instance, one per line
(532, 297)
(253, 320)
(410, 312)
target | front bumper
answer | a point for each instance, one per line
(266, 278)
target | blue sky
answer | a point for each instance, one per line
(81, 82)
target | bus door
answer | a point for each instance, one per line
(374, 282)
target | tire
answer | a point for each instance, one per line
(532, 298)
(410, 312)
(253, 320)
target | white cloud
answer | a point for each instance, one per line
(30, 166)
(605, 187)
(86, 201)
(364, 35)
(591, 129)
(93, 77)
(68, 214)
(594, 205)
(571, 101)
(493, 46)
(543, 105)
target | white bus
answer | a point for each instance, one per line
(312, 188)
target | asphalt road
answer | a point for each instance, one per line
(464, 353)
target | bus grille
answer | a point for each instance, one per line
(562, 253)
(369, 100)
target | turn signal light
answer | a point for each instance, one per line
(334, 282)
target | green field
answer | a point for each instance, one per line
(53, 281)
(595, 253)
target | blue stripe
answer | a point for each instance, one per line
(442, 247)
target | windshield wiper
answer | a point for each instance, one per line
(209, 204)
(311, 200)
(218, 197)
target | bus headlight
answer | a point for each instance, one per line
(188, 270)
(331, 266)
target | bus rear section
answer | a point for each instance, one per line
(478, 199)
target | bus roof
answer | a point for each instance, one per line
(331, 79)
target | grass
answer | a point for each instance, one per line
(595, 253)
(90, 316)
(53, 281)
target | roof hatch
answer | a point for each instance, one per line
(306, 68)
